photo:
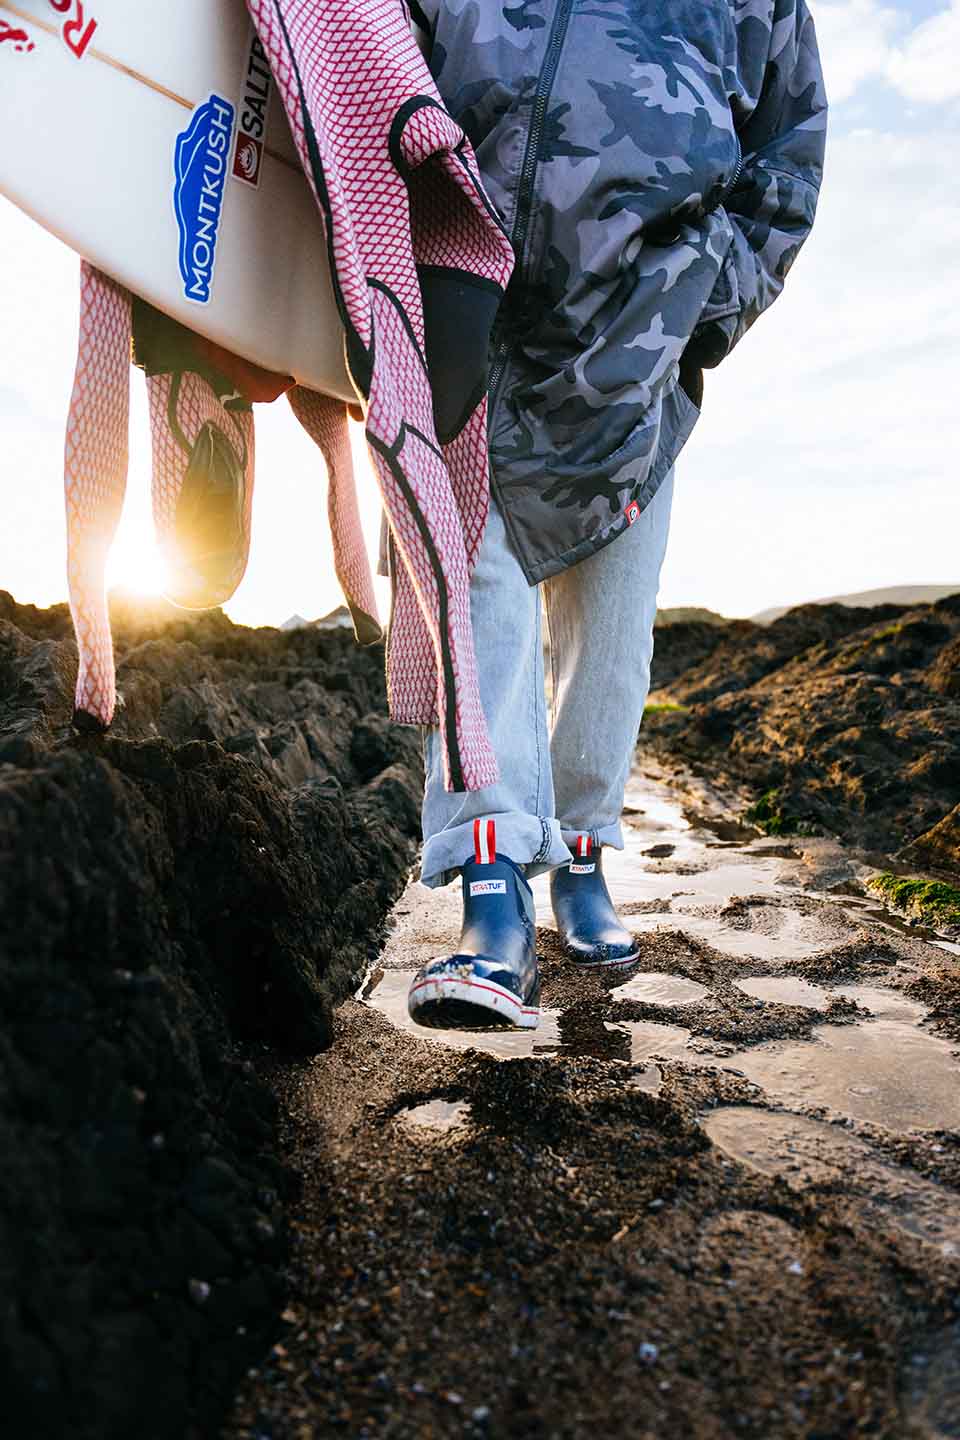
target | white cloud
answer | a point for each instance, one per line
(854, 37)
(825, 459)
(863, 40)
(927, 66)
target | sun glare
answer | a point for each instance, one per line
(136, 562)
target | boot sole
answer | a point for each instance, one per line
(443, 1003)
(618, 962)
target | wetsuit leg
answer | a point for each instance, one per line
(95, 478)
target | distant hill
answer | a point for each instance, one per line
(336, 620)
(680, 614)
(887, 595)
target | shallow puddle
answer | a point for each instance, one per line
(808, 1153)
(884, 1070)
(774, 933)
(647, 1039)
(886, 1004)
(659, 988)
(634, 1041)
(648, 1079)
(662, 842)
(676, 874)
(436, 1115)
(785, 990)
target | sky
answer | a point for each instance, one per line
(823, 461)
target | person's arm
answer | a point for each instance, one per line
(773, 202)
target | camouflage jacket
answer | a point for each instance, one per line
(657, 167)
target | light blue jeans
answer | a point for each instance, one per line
(568, 778)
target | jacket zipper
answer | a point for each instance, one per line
(731, 184)
(528, 171)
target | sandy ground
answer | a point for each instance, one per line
(716, 1195)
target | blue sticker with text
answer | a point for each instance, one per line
(200, 173)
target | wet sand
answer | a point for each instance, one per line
(715, 1195)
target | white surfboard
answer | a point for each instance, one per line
(149, 137)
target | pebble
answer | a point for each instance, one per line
(199, 1291)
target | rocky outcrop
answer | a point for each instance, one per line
(742, 652)
(939, 847)
(207, 880)
(836, 718)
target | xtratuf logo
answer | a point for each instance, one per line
(200, 170)
(488, 887)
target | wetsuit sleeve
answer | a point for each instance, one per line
(772, 203)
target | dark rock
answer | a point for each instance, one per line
(211, 876)
(939, 846)
(850, 715)
(743, 652)
(682, 644)
(378, 743)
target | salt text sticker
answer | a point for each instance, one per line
(252, 115)
(200, 170)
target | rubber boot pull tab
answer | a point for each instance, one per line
(485, 841)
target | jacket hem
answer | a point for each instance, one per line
(665, 459)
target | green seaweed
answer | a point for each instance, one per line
(665, 707)
(768, 815)
(932, 901)
(888, 633)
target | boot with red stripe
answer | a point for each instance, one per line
(589, 926)
(492, 981)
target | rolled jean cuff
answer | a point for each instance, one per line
(611, 835)
(528, 840)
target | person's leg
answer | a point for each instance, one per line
(505, 611)
(496, 838)
(601, 615)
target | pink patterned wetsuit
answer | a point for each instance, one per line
(183, 406)
(419, 262)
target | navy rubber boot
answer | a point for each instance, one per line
(589, 926)
(492, 981)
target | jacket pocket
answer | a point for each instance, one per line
(691, 379)
(724, 298)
